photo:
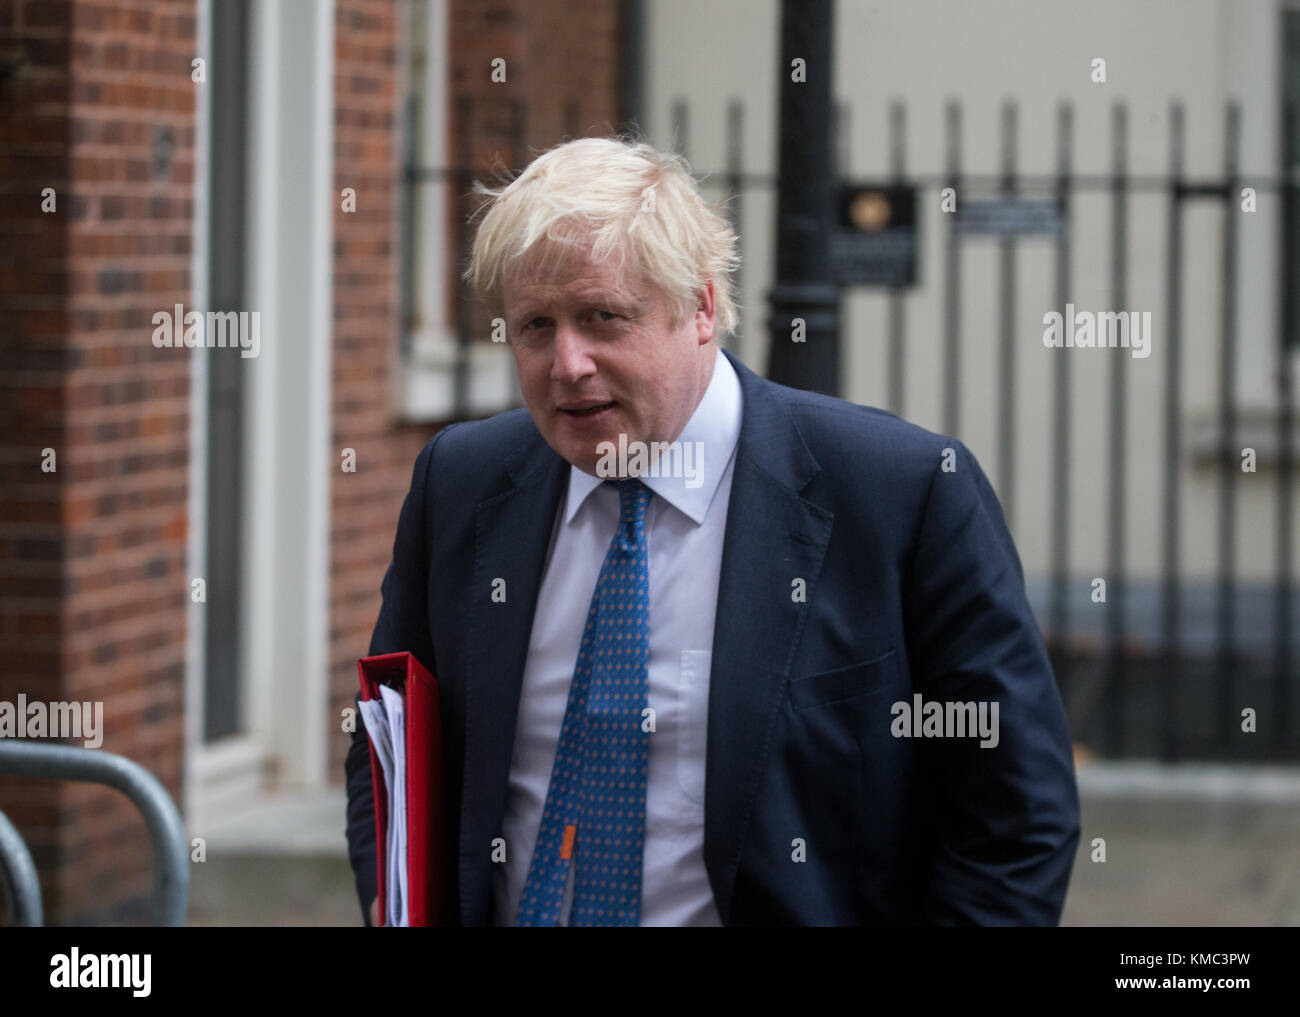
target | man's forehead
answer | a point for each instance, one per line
(570, 281)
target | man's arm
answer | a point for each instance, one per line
(402, 626)
(1006, 817)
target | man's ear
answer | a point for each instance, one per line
(705, 312)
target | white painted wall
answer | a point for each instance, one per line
(196, 539)
(1037, 54)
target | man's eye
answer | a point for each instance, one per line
(528, 325)
(610, 315)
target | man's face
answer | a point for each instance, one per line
(597, 359)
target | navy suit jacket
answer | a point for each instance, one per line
(913, 585)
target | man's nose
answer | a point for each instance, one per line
(571, 361)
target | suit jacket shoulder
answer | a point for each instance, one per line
(872, 469)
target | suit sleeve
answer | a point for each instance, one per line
(361, 817)
(403, 625)
(1006, 816)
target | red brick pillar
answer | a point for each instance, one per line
(96, 102)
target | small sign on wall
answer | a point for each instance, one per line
(1011, 217)
(875, 244)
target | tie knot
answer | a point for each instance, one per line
(633, 496)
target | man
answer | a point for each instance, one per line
(711, 650)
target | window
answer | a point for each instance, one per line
(447, 371)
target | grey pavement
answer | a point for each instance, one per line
(1186, 845)
(1189, 845)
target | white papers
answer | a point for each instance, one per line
(384, 720)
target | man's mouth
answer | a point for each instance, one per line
(585, 409)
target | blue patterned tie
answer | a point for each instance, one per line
(595, 805)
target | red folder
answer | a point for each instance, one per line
(426, 830)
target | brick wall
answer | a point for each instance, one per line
(34, 93)
(557, 53)
(92, 559)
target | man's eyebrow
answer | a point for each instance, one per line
(618, 307)
(621, 304)
(613, 303)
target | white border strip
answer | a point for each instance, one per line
(1198, 781)
(195, 552)
(321, 454)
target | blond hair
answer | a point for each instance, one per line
(624, 198)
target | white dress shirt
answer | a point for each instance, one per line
(685, 526)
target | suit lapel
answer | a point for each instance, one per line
(773, 536)
(512, 534)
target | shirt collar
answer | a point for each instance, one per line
(713, 431)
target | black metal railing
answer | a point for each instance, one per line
(1141, 676)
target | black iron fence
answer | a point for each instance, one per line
(1166, 666)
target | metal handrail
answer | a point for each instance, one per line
(26, 758)
(22, 890)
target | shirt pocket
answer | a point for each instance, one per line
(843, 682)
(692, 722)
